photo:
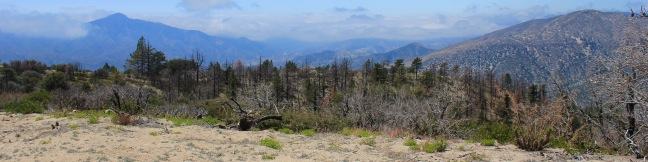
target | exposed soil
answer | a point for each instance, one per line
(31, 138)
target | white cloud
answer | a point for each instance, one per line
(339, 26)
(357, 9)
(207, 5)
(47, 25)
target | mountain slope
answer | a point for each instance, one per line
(407, 52)
(566, 45)
(111, 39)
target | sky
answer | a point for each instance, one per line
(304, 20)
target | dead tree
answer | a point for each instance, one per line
(246, 120)
(128, 101)
(622, 81)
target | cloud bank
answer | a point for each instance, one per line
(357, 9)
(207, 5)
(46, 25)
(345, 23)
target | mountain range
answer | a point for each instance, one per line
(407, 52)
(564, 46)
(111, 40)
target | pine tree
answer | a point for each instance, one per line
(146, 61)
(417, 64)
(277, 87)
(215, 73)
(399, 72)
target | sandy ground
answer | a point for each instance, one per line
(31, 138)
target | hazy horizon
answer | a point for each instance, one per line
(312, 21)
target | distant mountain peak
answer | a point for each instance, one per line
(587, 13)
(415, 44)
(116, 16)
(113, 18)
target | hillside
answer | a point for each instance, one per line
(407, 52)
(566, 45)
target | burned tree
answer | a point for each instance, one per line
(246, 120)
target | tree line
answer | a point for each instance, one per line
(404, 97)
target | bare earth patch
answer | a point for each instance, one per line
(31, 138)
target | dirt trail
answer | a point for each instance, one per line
(31, 138)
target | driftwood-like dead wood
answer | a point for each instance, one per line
(247, 121)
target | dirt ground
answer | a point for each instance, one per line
(31, 138)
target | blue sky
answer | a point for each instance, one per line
(308, 20)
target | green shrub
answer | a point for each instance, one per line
(208, 120)
(25, 107)
(575, 146)
(371, 141)
(362, 133)
(181, 121)
(365, 133)
(301, 120)
(93, 120)
(286, 131)
(436, 146)
(270, 143)
(409, 142)
(40, 96)
(178, 121)
(501, 132)
(487, 142)
(559, 143)
(347, 131)
(267, 157)
(55, 81)
(308, 132)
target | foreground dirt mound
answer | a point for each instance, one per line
(36, 137)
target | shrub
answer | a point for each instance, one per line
(74, 126)
(574, 146)
(308, 132)
(270, 143)
(25, 107)
(208, 120)
(532, 138)
(267, 157)
(370, 141)
(362, 133)
(493, 131)
(410, 142)
(181, 121)
(436, 146)
(122, 119)
(365, 133)
(55, 81)
(301, 120)
(40, 96)
(286, 131)
(487, 142)
(347, 131)
(93, 120)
